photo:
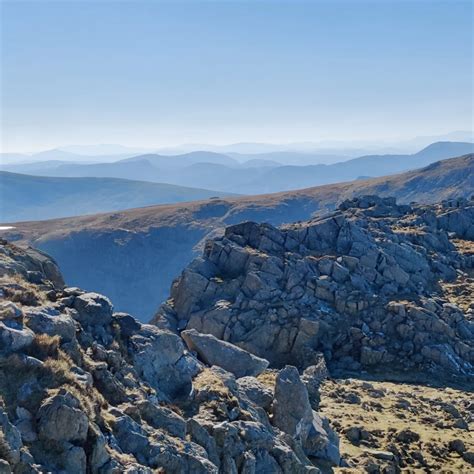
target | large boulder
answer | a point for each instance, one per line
(73, 459)
(255, 391)
(128, 324)
(14, 336)
(291, 407)
(213, 351)
(51, 321)
(162, 418)
(93, 309)
(60, 418)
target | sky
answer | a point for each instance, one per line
(152, 73)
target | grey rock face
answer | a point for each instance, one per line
(292, 413)
(212, 351)
(255, 391)
(162, 418)
(12, 438)
(128, 324)
(30, 262)
(291, 409)
(157, 356)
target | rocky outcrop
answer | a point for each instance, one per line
(364, 285)
(87, 390)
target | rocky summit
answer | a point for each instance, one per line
(84, 389)
(373, 286)
(278, 351)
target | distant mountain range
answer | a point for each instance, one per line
(332, 147)
(245, 174)
(25, 197)
(118, 253)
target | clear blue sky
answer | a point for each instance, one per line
(156, 73)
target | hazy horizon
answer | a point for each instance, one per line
(158, 74)
(256, 147)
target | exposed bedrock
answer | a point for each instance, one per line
(365, 285)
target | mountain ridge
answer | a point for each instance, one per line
(25, 197)
(223, 173)
(116, 253)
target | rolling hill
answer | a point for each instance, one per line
(25, 197)
(266, 173)
(119, 253)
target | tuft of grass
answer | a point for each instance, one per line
(208, 381)
(5, 451)
(106, 421)
(213, 396)
(58, 370)
(60, 376)
(45, 346)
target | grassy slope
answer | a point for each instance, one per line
(34, 197)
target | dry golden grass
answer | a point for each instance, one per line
(466, 247)
(208, 381)
(389, 408)
(61, 376)
(45, 379)
(213, 397)
(268, 378)
(17, 289)
(59, 368)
